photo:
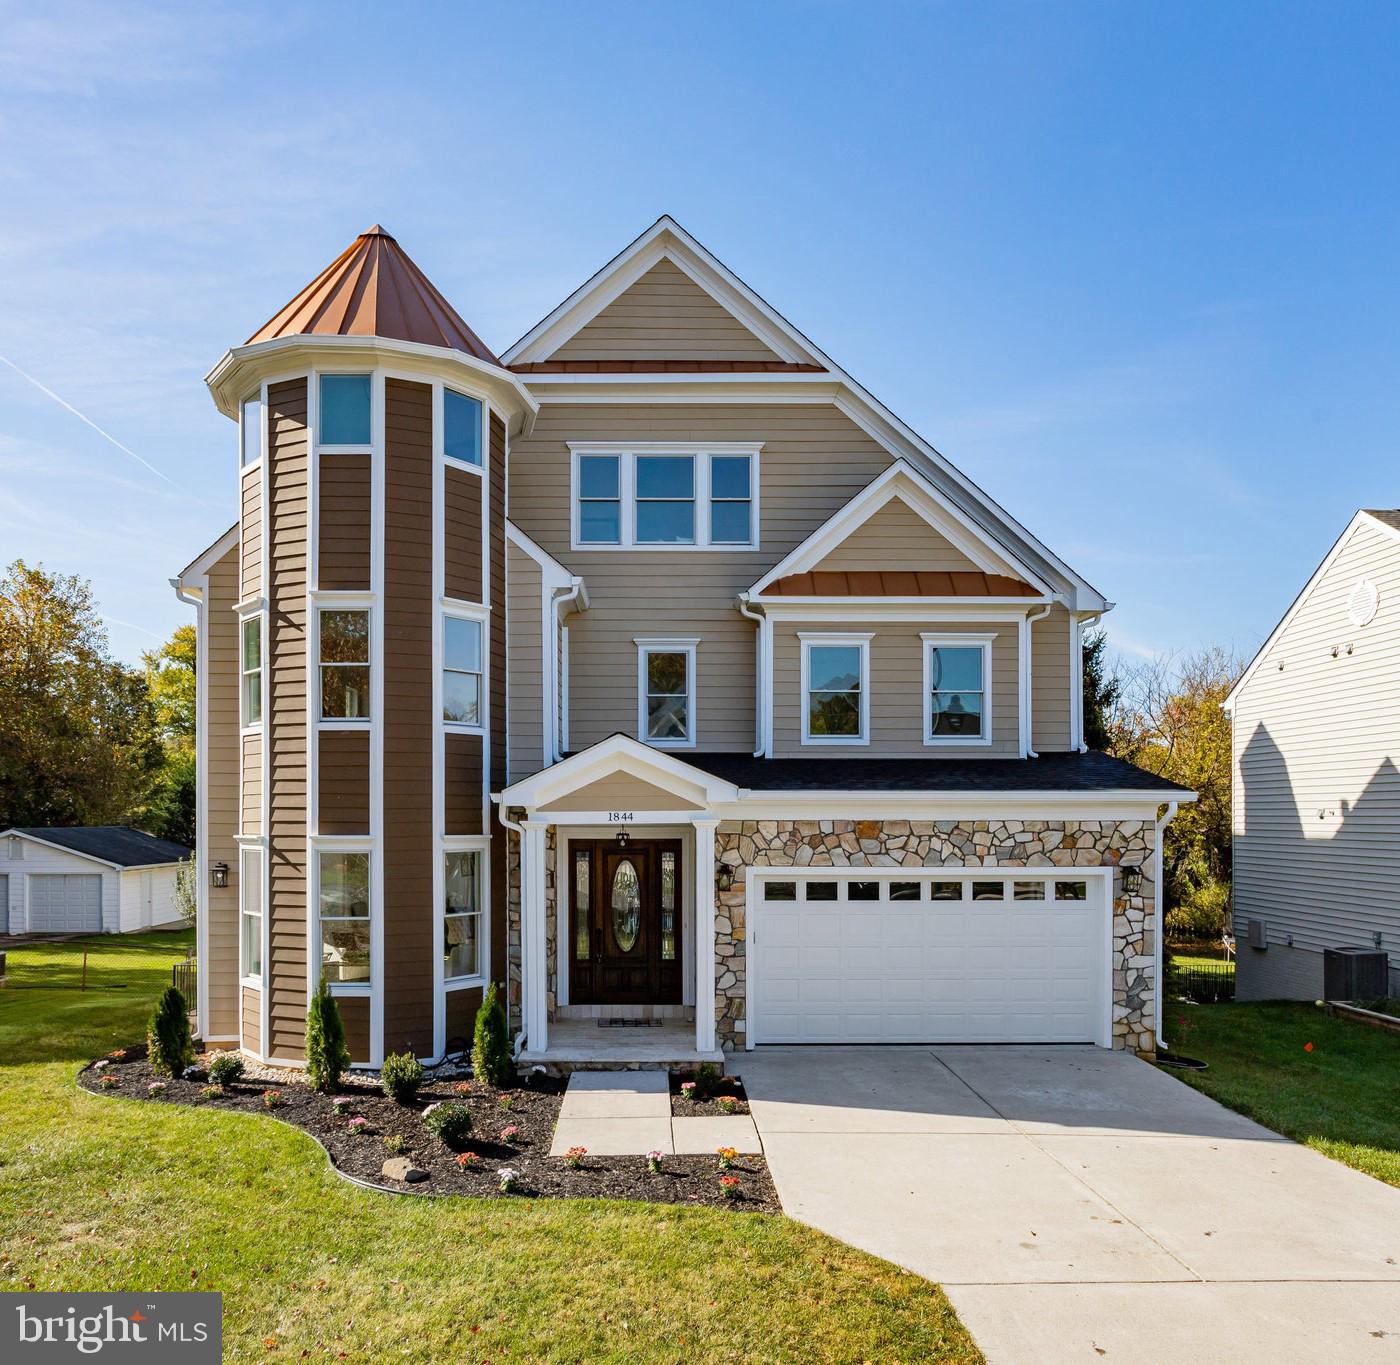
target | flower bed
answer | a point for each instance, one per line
(692, 1097)
(354, 1136)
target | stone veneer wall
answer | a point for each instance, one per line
(937, 843)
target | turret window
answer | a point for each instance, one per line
(344, 637)
(343, 420)
(461, 428)
(250, 429)
(461, 670)
(251, 665)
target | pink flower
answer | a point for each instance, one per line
(358, 1124)
(574, 1157)
(510, 1132)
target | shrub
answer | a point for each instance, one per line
(450, 1122)
(326, 1053)
(573, 1158)
(706, 1078)
(730, 1185)
(393, 1142)
(272, 1099)
(401, 1076)
(168, 1034)
(209, 1092)
(226, 1068)
(490, 1046)
(509, 1133)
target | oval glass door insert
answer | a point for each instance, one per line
(626, 906)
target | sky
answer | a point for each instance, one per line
(1133, 268)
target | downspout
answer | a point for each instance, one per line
(1159, 895)
(562, 598)
(1077, 682)
(1026, 671)
(759, 681)
(519, 1043)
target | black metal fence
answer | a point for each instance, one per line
(1204, 982)
(184, 977)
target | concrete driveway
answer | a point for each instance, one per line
(1080, 1205)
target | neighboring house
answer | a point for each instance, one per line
(755, 716)
(1316, 790)
(91, 879)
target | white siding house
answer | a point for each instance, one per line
(1316, 772)
(100, 879)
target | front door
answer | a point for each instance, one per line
(625, 923)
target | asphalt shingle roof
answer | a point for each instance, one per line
(111, 843)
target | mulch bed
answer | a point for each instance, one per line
(726, 1087)
(532, 1109)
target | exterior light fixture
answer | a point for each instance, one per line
(724, 877)
(623, 838)
(218, 874)
(1132, 880)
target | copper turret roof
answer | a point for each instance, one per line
(373, 288)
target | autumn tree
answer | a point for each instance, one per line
(79, 738)
(170, 680)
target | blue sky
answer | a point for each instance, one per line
(1132, 267)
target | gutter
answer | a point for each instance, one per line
(1026, 670)
(1159, 894)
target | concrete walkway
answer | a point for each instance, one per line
(628, 1113)
(1079, 1205)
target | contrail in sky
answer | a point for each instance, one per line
(106, 435)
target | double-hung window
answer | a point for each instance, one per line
(957, 689)
(343, 901)
(462, 937)
(461, 670)
(250, 430)
(250, 665)
(835, 689)
(461, 428)
(665, 495)
(666, 692)
(343, 412)
(344, 663)
(250, 915)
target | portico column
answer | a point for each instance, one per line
(532, 935)
(705, 934)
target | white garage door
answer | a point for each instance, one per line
(65, 904)
(938, 957)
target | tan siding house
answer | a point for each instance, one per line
(1316, 786)
(651, 670)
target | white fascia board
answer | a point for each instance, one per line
(902, 481)
(200, 566)
(554, 573)
(1360, 519)
(61, 848)
(229, 379)
(618, 753)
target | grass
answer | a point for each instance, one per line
(109, 1194)
(1341, 1098)
(1201, 962)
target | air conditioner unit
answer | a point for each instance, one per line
(1257, 932)
(1354, 974)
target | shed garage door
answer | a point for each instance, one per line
(945, 957)
(67, 904)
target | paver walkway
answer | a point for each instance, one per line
(628, 1113)
(1079, 1205)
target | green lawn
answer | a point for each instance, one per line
(97, 1193)
(1342, 1097)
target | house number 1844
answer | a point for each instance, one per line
(620, 817)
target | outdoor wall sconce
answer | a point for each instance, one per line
(623, 838)
(1132, 880)
(724, 878)
(218, 874)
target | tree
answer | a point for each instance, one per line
(490, 1044)
(171, 1049)
(1102, 693)
(326, 1053)
(186, 890)
(79, 740)
(170, 681)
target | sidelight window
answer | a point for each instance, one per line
(250, 636)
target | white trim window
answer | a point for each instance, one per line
(250, 663)
(463, 671)
(665, 496)
(463, 915)
(344, 413)
(666, 692)
(344, 683)
(250, 430)
(463, 429)
(250, 918)
(957, 689)
(835, 689)
(344, 918)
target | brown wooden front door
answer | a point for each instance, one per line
(625, 923)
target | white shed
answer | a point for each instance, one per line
(94, 879)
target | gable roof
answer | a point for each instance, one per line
(208, 557)
(373, 288)
(667, 238)
(904, 482)
(115, 845)
(1385, 521)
